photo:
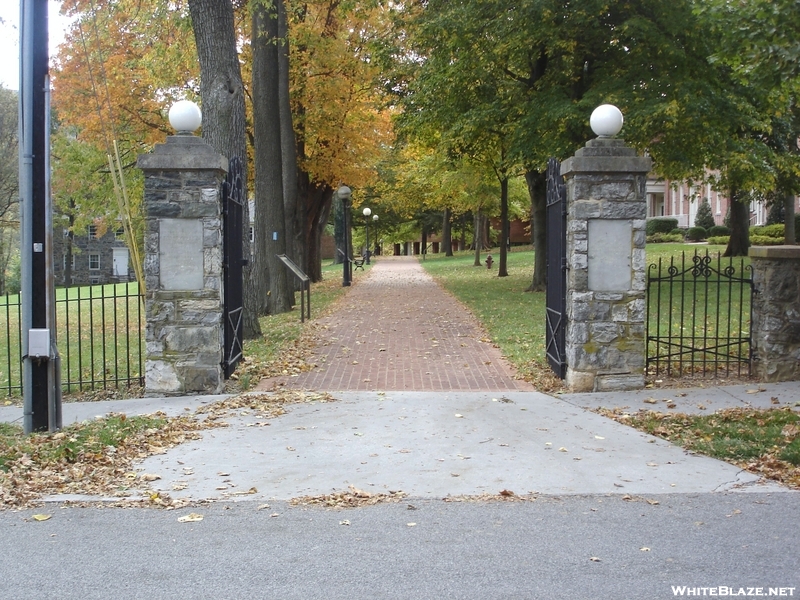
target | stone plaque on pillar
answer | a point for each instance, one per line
(183, 267)
(606, 218)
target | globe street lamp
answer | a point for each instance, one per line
(367, 212)
(344, 193)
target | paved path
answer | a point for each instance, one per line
(400, 331)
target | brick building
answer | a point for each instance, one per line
(96, 259)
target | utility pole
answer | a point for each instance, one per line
(41, 385)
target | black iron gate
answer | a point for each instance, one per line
(556, 295)
(232, 263)
(699, 311)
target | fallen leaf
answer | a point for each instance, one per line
(644, 549)
(223, 474)
(149, 477)
(562, 449)
(345, 522)
(290, 449)
(411, 524)
(263, 506)
(775, 400)
(594, 559)
(190, 518)
(42, 517)
(650, 401)
(458, 416)
(599, 437)
(627, 497)
(671, 405)
(507, 493)
(653, 502)
(652, 464)
(274, 515)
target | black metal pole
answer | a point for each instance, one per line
(346, 274)
(366, 225)
(34, 180)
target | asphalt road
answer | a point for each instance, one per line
(539, 549)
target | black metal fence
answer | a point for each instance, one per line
(698, 316)
(99, 330)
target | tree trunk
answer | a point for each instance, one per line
(447, 233)
(319, 200)
(222, 91)
(476, 240)
(270, 239)
(537, 188)
(502, 270)
(294, 210)
(739, 241)
(424, 248)
(789, 234)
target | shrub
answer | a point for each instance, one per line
(661, 225)
(718, 230)
(695, 234)
(763, 240)
(721, 240)
(797, 224)
(678, 231)
(773, 231)
(662, 238)
(704, 217)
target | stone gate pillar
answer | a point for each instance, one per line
(183, 261)
(606, 285)
(775, 326)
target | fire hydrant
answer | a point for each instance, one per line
(489, 261)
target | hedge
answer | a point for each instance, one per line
(661, 225)
(695, 234)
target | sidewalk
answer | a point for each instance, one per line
(400, 331)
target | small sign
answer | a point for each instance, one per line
(610, 247)
(274, 236)
(38, 247)
(181, 254)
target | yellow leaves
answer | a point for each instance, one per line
(41, 517)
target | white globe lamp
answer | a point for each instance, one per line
(367, 211)
(185, 117)
(606, 121)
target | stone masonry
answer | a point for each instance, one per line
(606, 309)
(775, 328)
(183, 267)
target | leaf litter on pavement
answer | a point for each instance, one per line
(97, 458)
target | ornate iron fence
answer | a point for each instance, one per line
(698, 316)
(99, 330)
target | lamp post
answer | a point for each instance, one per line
(367, 212)
(375, 233)
(344, 194)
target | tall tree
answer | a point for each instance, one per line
(270, 230)
(223, 101)
(758, 42)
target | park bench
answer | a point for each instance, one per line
(358, 261)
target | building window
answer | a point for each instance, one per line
(94, 280)
(64, 262)
(92, 231)
(252, 235)
(94, 262)
(119, 234)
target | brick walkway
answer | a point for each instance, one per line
(398, 330)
